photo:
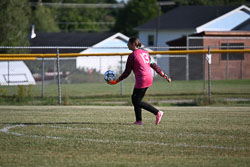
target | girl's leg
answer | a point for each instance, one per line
(137, 97)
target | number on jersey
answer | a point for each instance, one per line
(145, 58)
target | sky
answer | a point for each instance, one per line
(121, 0)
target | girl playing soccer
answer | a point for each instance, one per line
(141, 63)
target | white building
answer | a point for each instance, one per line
(102, 42)
(105, 63)
(96, 42)
(15, 73)
(185, 20)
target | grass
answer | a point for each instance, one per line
(104, 136)
(102, 93)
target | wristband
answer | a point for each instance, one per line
(112, 82)
(165, 76)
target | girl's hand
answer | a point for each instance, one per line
(112, 82)
(165, 76)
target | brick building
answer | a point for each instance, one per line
(186, 20)
(224, 66)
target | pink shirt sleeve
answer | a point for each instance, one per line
(130, 64)
(129, 67)
(156, 68)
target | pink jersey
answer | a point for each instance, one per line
(142, 69)
(140, 62)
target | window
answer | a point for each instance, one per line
(150, 40)
(232, 56)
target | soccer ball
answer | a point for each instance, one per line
(109, 75)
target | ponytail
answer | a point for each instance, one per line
(139, 44)
(136, 41)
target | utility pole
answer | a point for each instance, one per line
(160, 4)
(80, 5)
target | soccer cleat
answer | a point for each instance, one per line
(158, 117)
(137, 123)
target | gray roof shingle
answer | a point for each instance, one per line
(187, 17)
(67, 39)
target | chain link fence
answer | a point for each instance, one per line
(60, 80)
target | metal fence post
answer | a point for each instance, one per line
(187, 60)
(58, 78)
(227, 61)
(121, 81)
(42, 77)
(8, 73)
(204, 75)
(209, 77)
(55, 64)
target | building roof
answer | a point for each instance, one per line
(187, 17)
(19, 73)
(243, 26)
(67, 39)
(183, 40)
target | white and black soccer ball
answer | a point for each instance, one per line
(109, 75)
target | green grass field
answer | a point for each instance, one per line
(102, 93)
(104, 136)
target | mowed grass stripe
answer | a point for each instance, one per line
(105, 136)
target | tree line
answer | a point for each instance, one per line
(16, 17)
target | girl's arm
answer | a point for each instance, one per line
(159, 71)
(128, 69)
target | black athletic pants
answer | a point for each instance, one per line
(137, 97)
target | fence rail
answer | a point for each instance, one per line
(170, 52)
(177, 52)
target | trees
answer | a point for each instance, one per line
(14, 23)
(85, 19)
(16, 18)
(210, 2)
(136, 12)
(44, 19)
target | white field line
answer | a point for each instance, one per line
(6, 130)
(73, 128)
(186, 134)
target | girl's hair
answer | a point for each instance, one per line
(136, 41)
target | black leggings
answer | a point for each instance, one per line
(137, 97)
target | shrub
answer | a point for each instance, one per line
(3, 92)
(23, 92)
(205, 100)
(83, 76)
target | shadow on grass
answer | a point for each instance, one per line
(63, 123)
(185, 104)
